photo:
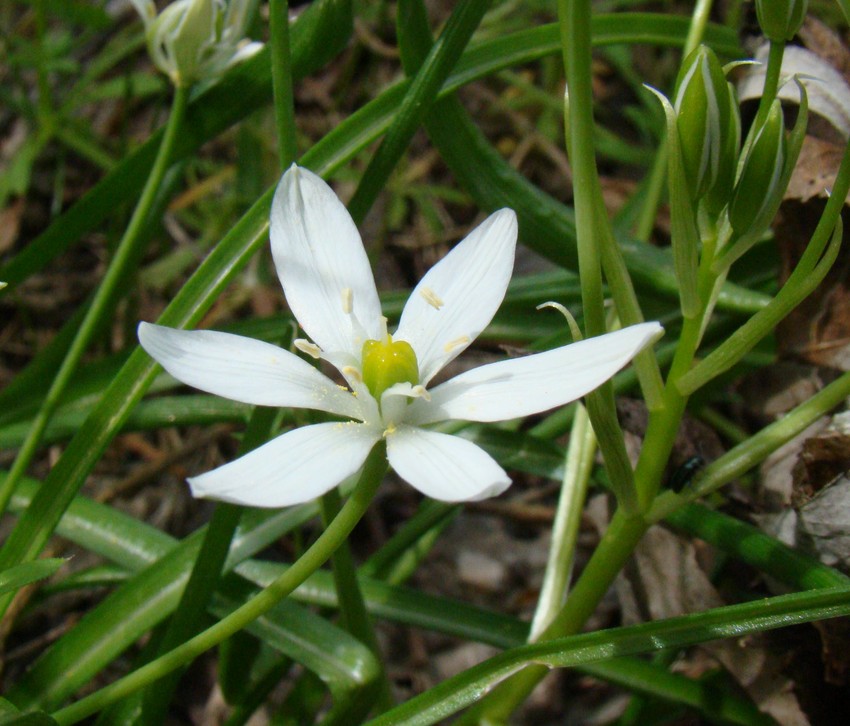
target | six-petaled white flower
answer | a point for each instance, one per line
(330, 289)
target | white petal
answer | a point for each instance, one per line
(244, 369)
(319, 256)
(522, 386)
(458, 297)
(299, 466)
(444, 467)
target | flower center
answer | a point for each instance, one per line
(387, 362)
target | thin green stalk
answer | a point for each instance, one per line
(575, 26)
(352, 606)
(574, 16)
(102, 301)
(309, 562)
(577, 467)
(206, 573)
(626, 527)
(699, 22)
(771, 83)
(284, 105)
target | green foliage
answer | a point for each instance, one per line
(203, 171)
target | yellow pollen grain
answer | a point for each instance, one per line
(347, 300)
(390, 430)
(456, 343)
(431, 298)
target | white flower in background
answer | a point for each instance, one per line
(329, 287)
(196, 40)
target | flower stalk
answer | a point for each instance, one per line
(103, 298)
(318, 553)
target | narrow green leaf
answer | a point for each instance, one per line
(462, 690)
(16, 577)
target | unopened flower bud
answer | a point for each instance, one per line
(781, 19)
(707, 121)
(760, 184)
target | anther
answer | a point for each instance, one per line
(305, 346)
(431, 298)
(352, 374)
(347, 300)
(456, 343)
(420, 392)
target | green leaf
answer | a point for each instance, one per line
(36, 718)
(462, 690)
(14, 578)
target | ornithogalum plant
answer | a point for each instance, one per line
(386, 395)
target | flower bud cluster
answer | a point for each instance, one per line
(196, 40)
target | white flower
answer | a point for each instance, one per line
(329, 287)
(195, 40)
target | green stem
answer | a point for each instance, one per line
(771, 84)
(574, 16)
(699, 21)
(352, 606)
(308, 563)
(575, 27)
(206, 573)
(102, 301)
(626, 527)
(284, 104)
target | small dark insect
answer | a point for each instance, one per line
(680, 478)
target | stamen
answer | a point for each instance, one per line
(305, 346)
(456, 343)
(385, 336)
(389, 430)
(431, 298)
(420, 392)
(351, 373)
(347, 300)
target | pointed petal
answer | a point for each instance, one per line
(297, 467)
(522, 386)
(444, 467)
(458, 297)
(319, 255)
(244, 369)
